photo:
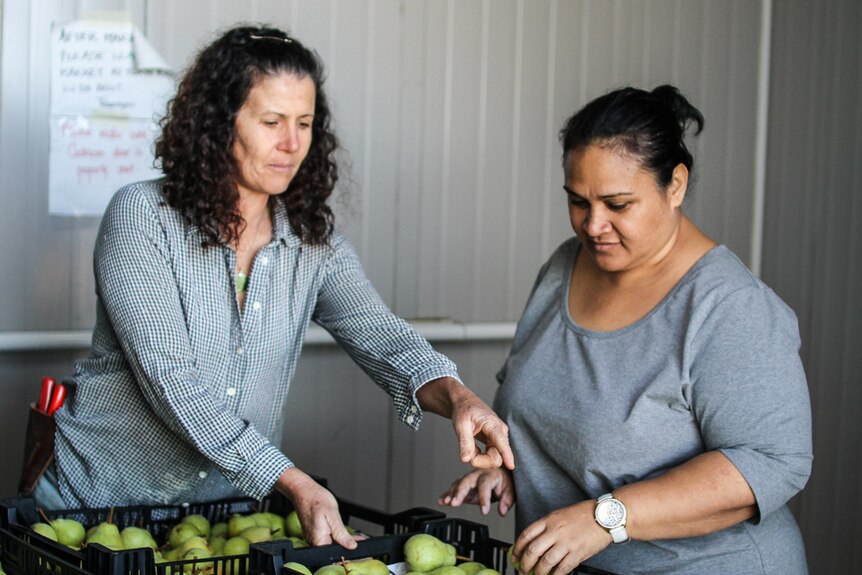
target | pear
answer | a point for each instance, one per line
(368, 567)
(470, 567)
(44, 530)
(257, 534)
(199, 521)
(69, 532)
(298, 542)
(299, 567)
(107, 534)
(236, 546)
(137, 538)
(182, 531)
(196, 542)
(446, 570)
(194, 555)
(216, 544)
(237, 523)
(218, 529)
(334, 569)
(276, 521)
(487, 571)
(516, 565)
(292, 524)
(424, 552)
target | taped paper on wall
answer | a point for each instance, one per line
(109, 86)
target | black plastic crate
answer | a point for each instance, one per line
(26, 552)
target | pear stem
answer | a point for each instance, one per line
(462, 558)
(44, 516)
(344, 565)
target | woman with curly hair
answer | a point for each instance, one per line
(207, 280)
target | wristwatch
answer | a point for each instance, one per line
(611, 514)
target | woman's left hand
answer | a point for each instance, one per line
(561, 540)
(473, 421)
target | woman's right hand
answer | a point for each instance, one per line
(482, 487)
(317, 509)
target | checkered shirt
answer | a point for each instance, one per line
(182, 396)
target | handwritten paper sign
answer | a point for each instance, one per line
(108, 86)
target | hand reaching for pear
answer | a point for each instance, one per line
(317, 509)
(482, 487)
(476, 425)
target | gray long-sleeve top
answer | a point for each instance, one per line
(182, 396)
(715, 366)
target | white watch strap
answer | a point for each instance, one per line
(619, 534)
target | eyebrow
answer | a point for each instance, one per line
(601, 197)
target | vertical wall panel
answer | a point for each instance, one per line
(813, 248)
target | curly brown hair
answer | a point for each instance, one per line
(195, 148)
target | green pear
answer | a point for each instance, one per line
(182, 531)
(196, 542)
(107, 534)
(516, 565)
(44, 530)
(194, 555)
(216, 544)
(237, 523)
(368, 567)
(236, 546)
(299, 567)
(69, 532)
(298, 542)
(218, 529)
(424, 552)
(487, 571)
(446, 570)
(334, 569)
(137, 538)
(292, 524)
(276, 521)
(470, 567)
(199, 521)
(257, 534)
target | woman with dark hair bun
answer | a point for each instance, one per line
(654, 391)
(207, 281)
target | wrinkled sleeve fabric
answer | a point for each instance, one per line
(138, 289)
(385, 346)
(750, 395)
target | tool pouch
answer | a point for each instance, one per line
(38, 450)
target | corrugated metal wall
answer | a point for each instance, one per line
(812, 253)
(448, 112)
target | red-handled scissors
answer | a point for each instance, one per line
(47, 391)
(57, 398)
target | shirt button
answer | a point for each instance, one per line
(413, 409)
(231, 391)
(202, 474)
(410, 419)
(264, 260)
(257, 306)
(240, 351)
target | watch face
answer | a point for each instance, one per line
(610, 513)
